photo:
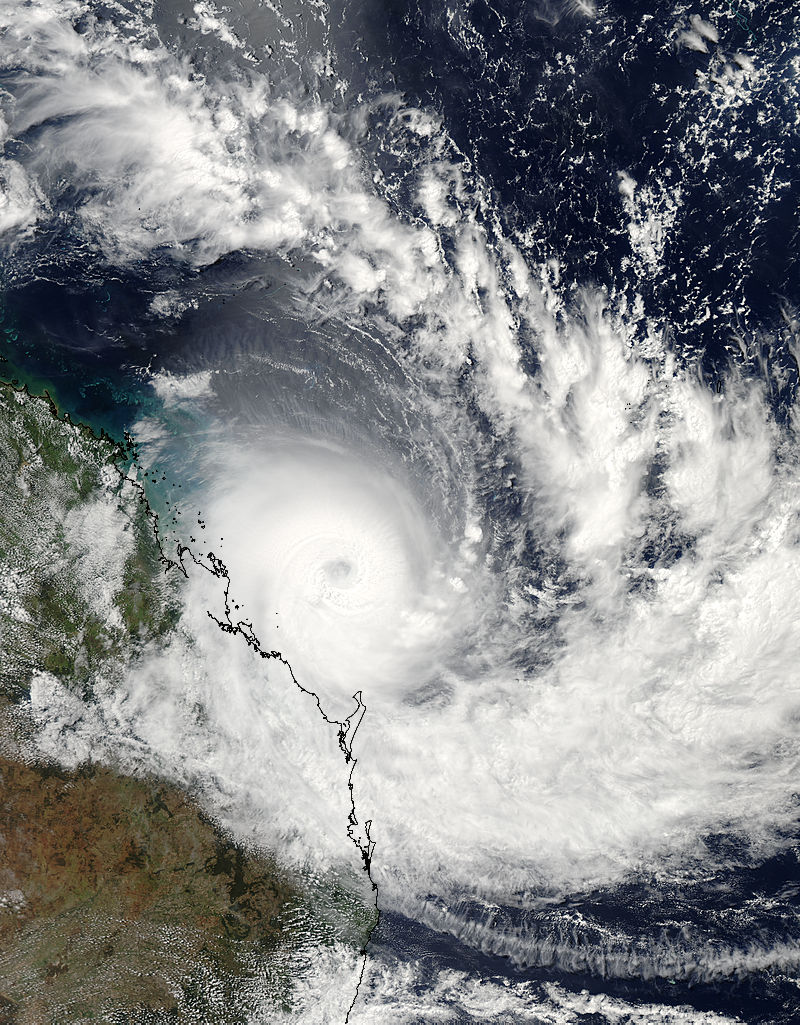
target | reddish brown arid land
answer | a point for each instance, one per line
(117, 894)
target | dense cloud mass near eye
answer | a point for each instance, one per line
(555, 554)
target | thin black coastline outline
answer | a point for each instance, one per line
(347, 728)
(346, 731)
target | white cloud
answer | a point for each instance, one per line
(175, 388)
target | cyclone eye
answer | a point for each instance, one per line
(340, 572)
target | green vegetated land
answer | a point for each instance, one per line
(119, 900)
(79, 566)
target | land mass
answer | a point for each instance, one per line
(120, 899)
(118, 895)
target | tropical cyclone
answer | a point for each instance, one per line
(513, 298)
(333, 555)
